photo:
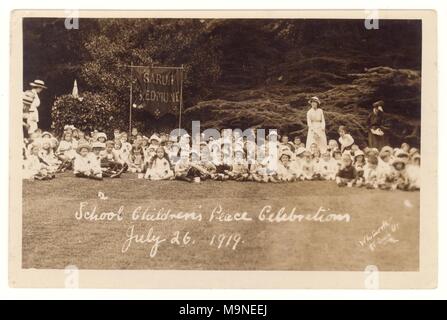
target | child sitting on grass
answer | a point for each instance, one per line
(268, 166)
(370, 173)
(359, 164)
(47, 156)
(173, 154)
(346, 140)
(399, 177)
(413, 171)
(86, 165)
(346, 175)
(126, 147)
(296, 142)
(286, 170)
(159, 167)
(182, 167)
(327, 167)
(299, 156)
(239, 169)
(111, 167)
(205, 167)
(332, 146)
(66, 152)
(35, 169)
(119, 156)
(136, 160)
(308, 168)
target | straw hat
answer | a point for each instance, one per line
(358, 153)
(307, 153)
(83, 146)
(69, 126)
(401, 154)
(38, 84)
(285, 152)
(387, 149)
(46, 133)
(154, 137)
(413, 151)
(396, 161)
(101, 135)
(98, 145)
(314, 98)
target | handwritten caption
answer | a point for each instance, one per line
(153, 238)
(381, 236)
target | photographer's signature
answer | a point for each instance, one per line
(383, 235)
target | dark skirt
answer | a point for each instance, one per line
(375, 141)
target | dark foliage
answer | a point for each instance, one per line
(239, 73)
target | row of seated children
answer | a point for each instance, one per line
(161, 157)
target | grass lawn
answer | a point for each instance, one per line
(53, 237)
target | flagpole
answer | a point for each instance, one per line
(130, 100)
(181, 100)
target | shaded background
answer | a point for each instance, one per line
(239, 72)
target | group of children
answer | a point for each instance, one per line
(229, 157)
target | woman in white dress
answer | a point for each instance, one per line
(315, 123)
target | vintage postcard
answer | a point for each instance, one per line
(223, 149)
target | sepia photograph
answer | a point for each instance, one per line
(296, 143)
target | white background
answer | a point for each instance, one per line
(7, 293)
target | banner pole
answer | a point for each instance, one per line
(181, 100)
(130, 100)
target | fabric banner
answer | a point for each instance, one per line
(158, 89)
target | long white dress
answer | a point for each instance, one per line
(316, 133)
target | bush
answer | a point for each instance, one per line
(93, 111)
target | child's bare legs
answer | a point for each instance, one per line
(65, 165)
(341, 182)
(85, 174)
(183, 177)
(359, 182)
